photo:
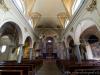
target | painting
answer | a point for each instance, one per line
(96, 49)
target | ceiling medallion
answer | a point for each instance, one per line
(92, 6)
(3, 5)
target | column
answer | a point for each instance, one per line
(20, 55)
(31, 53)
(89, 52)
(67, 54)
(78, 53)
(67, 50)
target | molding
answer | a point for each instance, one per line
(76, 16)
(3, 5)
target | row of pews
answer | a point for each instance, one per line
(25, 68)
(88, 67)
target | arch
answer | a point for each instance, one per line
(90, 41)
(28, 42)
(49, 44)
(67, 40)
(48, 39)
(71, 48)
(90, 33)
(70, 41)
(93, 39)
(8, 26)
(82, 26)
(27, 46)
(11, 36)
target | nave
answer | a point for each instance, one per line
(49, 37)
(49, 67)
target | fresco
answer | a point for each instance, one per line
(96, 49)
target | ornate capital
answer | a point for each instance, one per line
(3, 5)
(92, 6)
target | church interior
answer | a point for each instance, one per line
(49, 37)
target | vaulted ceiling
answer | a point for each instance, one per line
(49, 13)
(49, 9)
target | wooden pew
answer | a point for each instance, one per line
(76, 68)
(36, 64)
(25, 69)
(11, 72)
(28, 67)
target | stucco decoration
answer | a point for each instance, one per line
(3, 5)
(92, 6)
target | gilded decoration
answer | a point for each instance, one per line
(92, 6)
(3, 5)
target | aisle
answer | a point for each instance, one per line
(49, 68)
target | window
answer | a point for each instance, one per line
(49, 41)
(76, 5)
(19, 5)
(66, 23)
(3, 49)
(30, 22)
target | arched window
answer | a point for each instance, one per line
(66, 23)
(3, 49)
(30, 22)
(19, 4)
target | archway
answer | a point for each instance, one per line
(49, 48)
(90, 41)
(10, 36)
(71, 46)
(27, 46)
(81, 27)
(49, 44)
